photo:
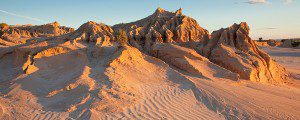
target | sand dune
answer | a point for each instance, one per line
(75, 85)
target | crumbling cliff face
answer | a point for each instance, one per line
(51, 29)
(233, 49)
(94, 33)
(15, 35)
(230, 48)
(163, 27)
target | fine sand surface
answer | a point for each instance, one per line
(123, 83)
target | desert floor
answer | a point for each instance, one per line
(162, 93)
(216, 98)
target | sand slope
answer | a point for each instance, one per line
(288, 57)
(85, 81)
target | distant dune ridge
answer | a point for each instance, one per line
(172, 68)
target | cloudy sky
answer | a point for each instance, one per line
(267, 18)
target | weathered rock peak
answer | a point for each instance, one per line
(233, 49)
(163, 27)
(93, 32)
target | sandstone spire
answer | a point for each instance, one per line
(179, 11)
(159, 10)
(93, 32)
(163, 27)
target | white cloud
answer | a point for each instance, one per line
(256, 1)
(288, 1)
(266, 1)
(22, 16)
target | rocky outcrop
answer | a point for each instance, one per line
(261, 43)
(227, 53)
(163, 27)
(93, 32)
(51, 29)
(222, 47)
(287, 44)
(233, 49)
(273, 43)
(20, 34)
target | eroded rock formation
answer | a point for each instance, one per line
(163, 27)
(93, 32)
(230, 48)
(15, 35)
(233, 49)
(272, 43)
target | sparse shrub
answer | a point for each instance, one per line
(121, 37)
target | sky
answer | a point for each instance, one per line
(269, 19)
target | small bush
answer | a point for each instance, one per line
(121, 37)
